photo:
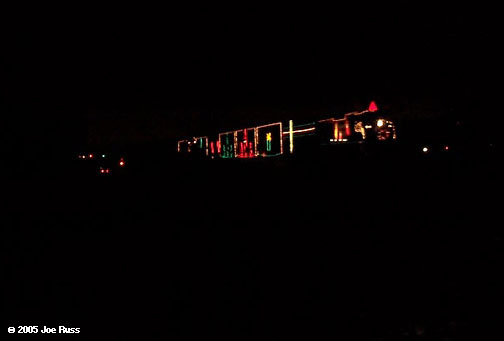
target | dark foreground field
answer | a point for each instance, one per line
(362, 249)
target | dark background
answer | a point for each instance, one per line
(390, 244)
(130, 74)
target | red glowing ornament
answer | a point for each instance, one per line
(372, 107)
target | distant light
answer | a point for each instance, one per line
(291, 136)
(103, 155)
(83, 156)
(102, 170)
(107, 170)
(446, 147)
(121, 163)
(368, 126)
(90, 156)
(380, 123)
(373, 107)
(425, 149)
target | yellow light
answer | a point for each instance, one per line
(291, 136)
(268, 137)
(380, 123)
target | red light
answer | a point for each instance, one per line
(446, 148)
(121, 163)
(107, 171)
(102, 170)
(372, 107)
(90, 156)
(347, 128)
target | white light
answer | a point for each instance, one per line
(291, 136)
(379, 123)
(425, 149)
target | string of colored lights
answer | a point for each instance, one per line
(247, 146)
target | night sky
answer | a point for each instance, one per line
(76, 75)
(396, 238)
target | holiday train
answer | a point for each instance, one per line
(276, 138)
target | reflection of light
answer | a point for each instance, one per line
(379, 123)
(425, 149)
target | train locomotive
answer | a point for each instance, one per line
(284, 138)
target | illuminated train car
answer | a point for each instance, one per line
(196, 146)
(270, 140)
(277, 138)
(246, 143)
(226, 145)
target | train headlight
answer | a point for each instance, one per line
(380, 123)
